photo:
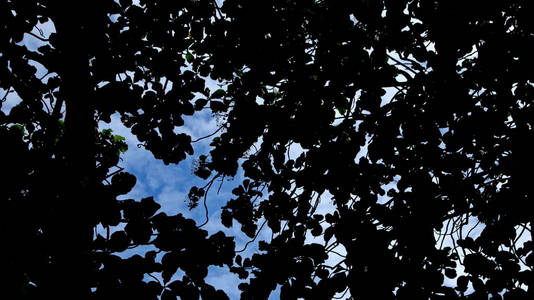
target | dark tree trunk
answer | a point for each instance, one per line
(72, 227)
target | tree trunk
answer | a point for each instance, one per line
(72, 227)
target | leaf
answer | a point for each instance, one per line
(118, 138)
(450, 273)
(461, 283)
(226, 218)
(328, 233)
(19, 128)
(317, 230)
(342, 110)
(467, 243)
(119, 241)
(218, 94)
(123, 147)
(217, 106)
(125, 3)
(189, 57)
(149, 206)
(139, 231)
(107, 131)
(123, 182)
(200, 104)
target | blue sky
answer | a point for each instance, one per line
(170, 184)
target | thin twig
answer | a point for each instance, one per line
(445, 234)
(40, 31)
(45, 105)
(218, 9)
(155, 278)
(165, 84)
(7, 93)
(209, 135)
(38, 37)
(253, 239)
(115, 172)
(342, 295)
(470, 230)
(47, 73)
(402, 64)
(206, 211)
(339, 254)
(220, 185)
(207, 187)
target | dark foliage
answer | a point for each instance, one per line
(414, 119)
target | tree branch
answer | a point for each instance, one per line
(38, 37)
(209, 135)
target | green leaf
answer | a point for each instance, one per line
(107, 132)
(123, 148)
(118, 138)
(189, 57)
(218, 93)
(341, 110)
(344, 106)
(19, 128)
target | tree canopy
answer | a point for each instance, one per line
(411, 119)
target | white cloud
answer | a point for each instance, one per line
(11, 100)
(222, 279)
